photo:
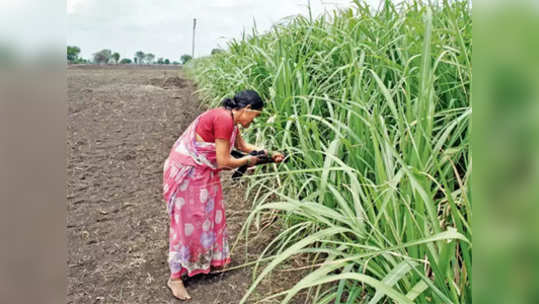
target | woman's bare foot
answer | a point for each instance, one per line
(178, 290)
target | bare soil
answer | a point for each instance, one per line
(122, 122)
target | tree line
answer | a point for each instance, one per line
(106, 56)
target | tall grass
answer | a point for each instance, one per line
(375, 109)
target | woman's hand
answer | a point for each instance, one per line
(252, 160)
(277, 157)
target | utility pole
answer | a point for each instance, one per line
(194, 27)
(310, 12)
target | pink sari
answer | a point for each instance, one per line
(192, 190)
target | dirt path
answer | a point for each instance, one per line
(122, 123)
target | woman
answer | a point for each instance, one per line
(192, 188)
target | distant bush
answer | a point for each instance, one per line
(73, 53)
(185, 58)
(139, 57)
(103, 56)
(148, 58)
(116, 57)
(217, 51)
(8, 56)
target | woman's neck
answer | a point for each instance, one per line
(234, 114)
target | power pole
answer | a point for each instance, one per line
(310, 12)
(194, 27)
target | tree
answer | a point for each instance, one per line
(103, 56)
(126, 61)
(185, 58)
(175, 63)
(160, 60)
(148, 58)
(81, 61)
(167, 61)
(72, 53)
(216, 51)
(116, 57)
(139, 57)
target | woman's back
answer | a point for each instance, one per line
(214, 124)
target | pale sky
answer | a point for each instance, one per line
(164, 27)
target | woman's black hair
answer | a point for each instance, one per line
(243, 99)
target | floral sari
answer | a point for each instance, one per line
(192, 190)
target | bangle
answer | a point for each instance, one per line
(248, 161)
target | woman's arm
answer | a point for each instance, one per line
(226, 161)
(243, 146)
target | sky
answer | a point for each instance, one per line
(164, 27)
(31, 26)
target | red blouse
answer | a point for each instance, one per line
(215, 123)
